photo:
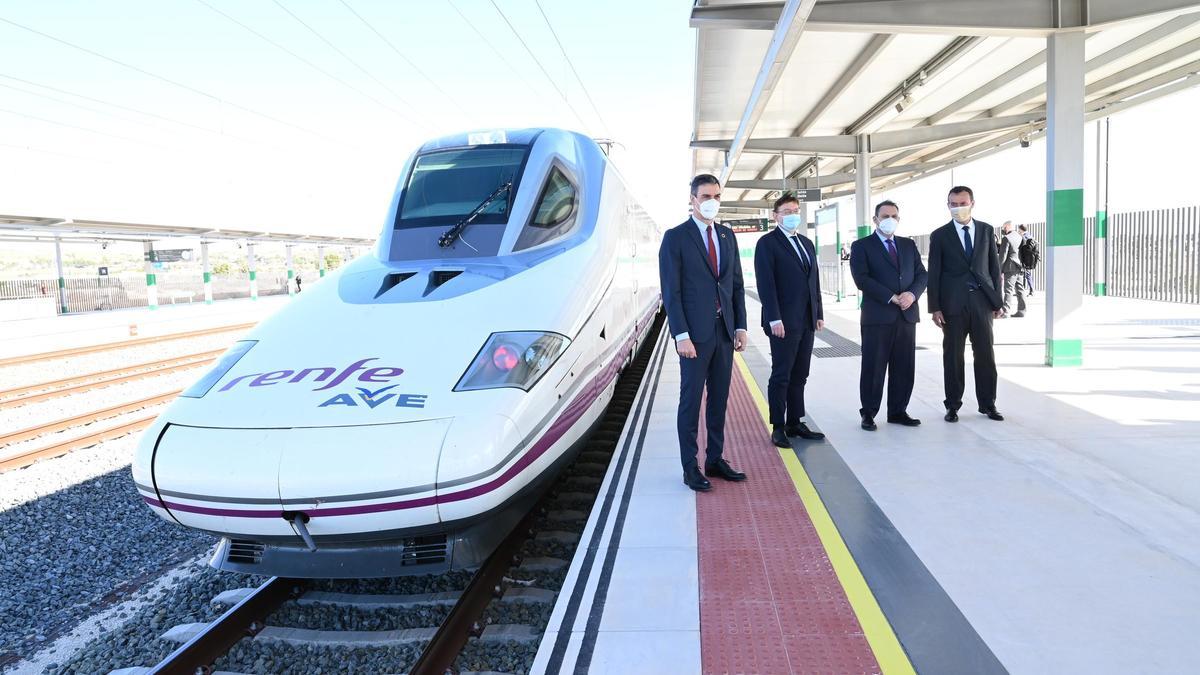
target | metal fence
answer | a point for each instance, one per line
(89, 294)
(1152, 255)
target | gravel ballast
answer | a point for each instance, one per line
(73, 540)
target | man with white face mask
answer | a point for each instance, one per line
(701, 276)
(888, 271)
(789, 287)
(964, 297)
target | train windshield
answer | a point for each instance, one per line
(446, 185)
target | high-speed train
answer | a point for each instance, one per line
(398, 417)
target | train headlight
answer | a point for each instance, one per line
(228, 360)
(517, 359)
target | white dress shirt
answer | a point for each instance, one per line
(717, 248)
(794, 240)
(970, 225)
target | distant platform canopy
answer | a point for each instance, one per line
(34, 228)
(788, 94)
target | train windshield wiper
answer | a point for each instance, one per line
(451, 235)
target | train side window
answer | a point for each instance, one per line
(554, 214)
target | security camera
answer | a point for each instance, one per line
(103, 245)
(1023, 139)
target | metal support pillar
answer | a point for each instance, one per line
(321, 260)
(291, 272)
(151, 279)
(862, 194)
(252, 266)
(1101, 248)
(1064, 198)
(208, 293)
(62, 280)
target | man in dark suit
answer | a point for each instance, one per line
(888, 271)
(789, 287)
(964, 297)
(701, 276)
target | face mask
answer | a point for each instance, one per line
(961, 213)
(888, 226)
(709, 208)
(790, 222)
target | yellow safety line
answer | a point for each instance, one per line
(886, 647)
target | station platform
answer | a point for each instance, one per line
(1064, 539)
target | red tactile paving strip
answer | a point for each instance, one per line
(770, 601)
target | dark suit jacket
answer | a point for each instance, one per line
(879, 279)
(950, 272)
(781, 284)
(689, 288)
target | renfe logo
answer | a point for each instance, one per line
(331, 377)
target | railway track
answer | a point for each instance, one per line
(59, 448)
(520, 579)
(120, 344)
(32, 393)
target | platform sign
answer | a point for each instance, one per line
(169, 255)
(747, 225)
(103, 271)
(809, 195)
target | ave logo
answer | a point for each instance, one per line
(376, 398)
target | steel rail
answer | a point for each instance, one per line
(80, 383)
(24, 459)
(245, 618)
(86, 418)
(106, 346)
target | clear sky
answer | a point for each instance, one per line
(296, 115)
(220, 125)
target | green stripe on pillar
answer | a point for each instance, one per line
(150, 280)
(1064, 352)
(291, 274)
(207, 277)
(1066, 217)
(1101, 224)
(863, 230)
(1101, 289)
(253, 275)
(322, 271)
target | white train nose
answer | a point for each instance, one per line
(346, 480)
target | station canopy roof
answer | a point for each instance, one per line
(33, 228)
(922, 85)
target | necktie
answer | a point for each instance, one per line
(967, 245)
(803, 258)
(712, 261)
(891, 246)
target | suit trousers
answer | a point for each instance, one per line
(711, 370)
(976, 323)
(887, 349)
(1014, 284)
(791, 357)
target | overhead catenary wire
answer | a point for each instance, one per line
(491, 46)
(402, 56)
(181, 85)
(578, 79)
(312, 65)
(539, 63)
(196, 127)
(343, 54)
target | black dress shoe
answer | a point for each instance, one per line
(868, 422)
(779, 438)
(951, 416)
(903, 418)
(696, 480)
(721, 469)
(992, 414)
(1018, 315)
(804, 432)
